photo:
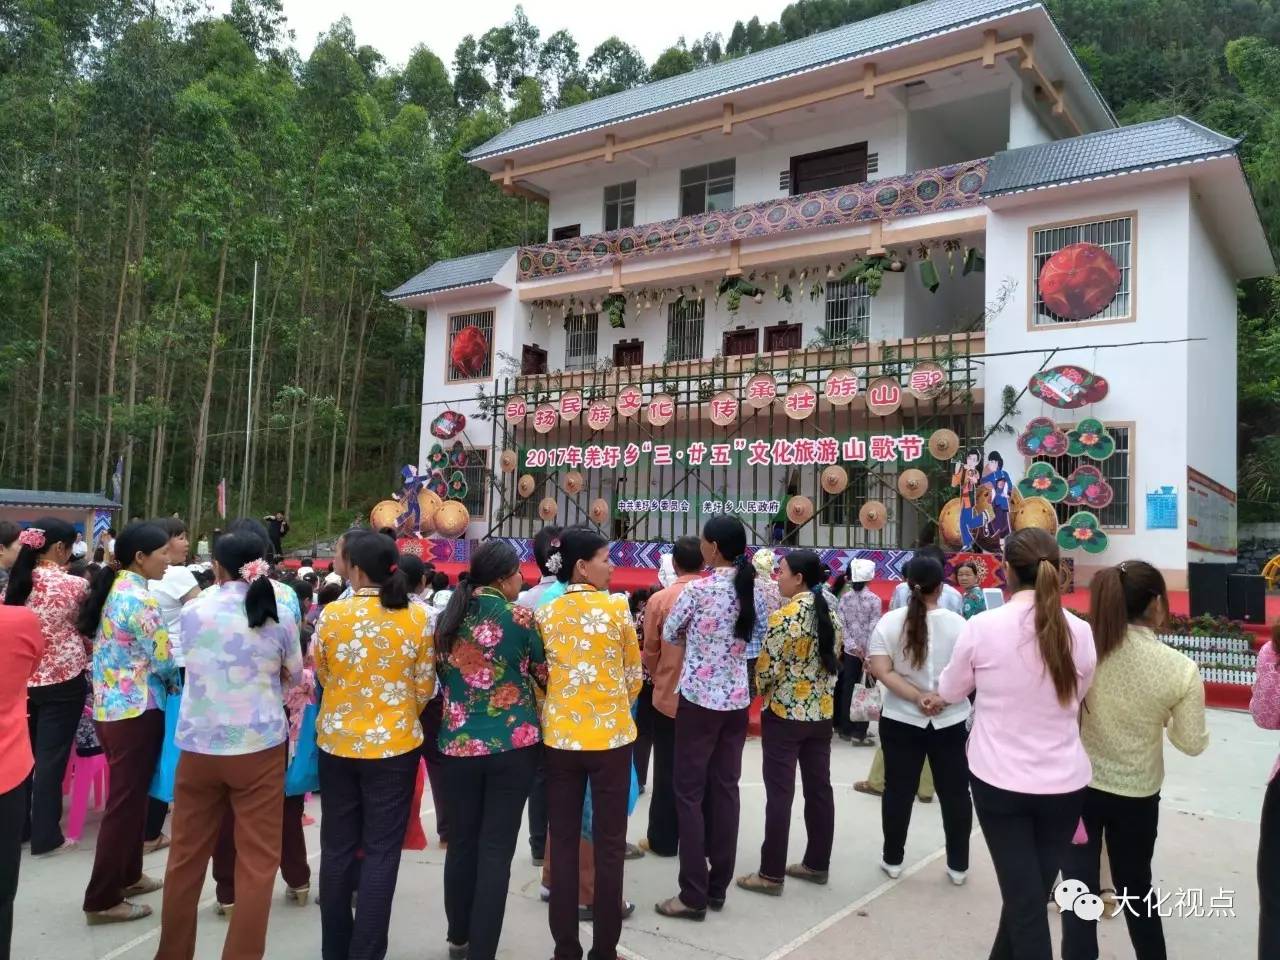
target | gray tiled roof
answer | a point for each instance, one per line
(458, 272)
(1107, 152)
(907, 24)
(56, 499)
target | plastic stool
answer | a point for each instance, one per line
(87, 773)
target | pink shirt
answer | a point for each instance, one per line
(1265, 704)
(1023, 739)
(21, 647)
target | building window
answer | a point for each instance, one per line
(783, 336)
(1117, 469)
(533, 360)
(1114, 236)
(829, 168)
(628, 353)
(476, 368)
(477, 473)
(706, 187)
(738, 343)
(581, 330)
(570, 232)
(620, 205)
(848, 311)
(684, 329)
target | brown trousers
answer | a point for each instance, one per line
(133, 748)
(586, 872)
(251, 786)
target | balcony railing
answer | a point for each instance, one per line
(951, 187)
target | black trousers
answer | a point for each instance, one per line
(709, 743)
(1128, 826)
(538, 814)
(905, 749)
(643, 745)
(364, 805)
(609, 774)
(850, 677)
(485, 798)
(53, 713)
(1028, 835)
(788, 743)
(12, 804)
(431, 718)
(664, 826)
(1269, 874)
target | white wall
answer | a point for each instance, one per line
(1026, 127)
(1148, 384)
(1211, 417)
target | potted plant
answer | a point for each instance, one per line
(615, 305)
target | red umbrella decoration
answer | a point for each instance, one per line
(470, 351)
(1079, 281)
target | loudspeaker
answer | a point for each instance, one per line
(1247, 598)
(1207, 583)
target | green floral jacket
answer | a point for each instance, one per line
(789, 674)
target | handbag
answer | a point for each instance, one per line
(167, 768)
(303, 773)
(865, 703)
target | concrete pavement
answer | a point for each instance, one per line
(1208, 841)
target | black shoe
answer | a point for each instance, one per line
(676, 909)
(458, 951)
(588, 915)
(715, 903)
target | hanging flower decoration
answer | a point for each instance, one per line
(1090, 439)
(448, 425)
(470, 351)
(1043, 481)
(1042, 438)
(1082, 532)
(458, 455)
(438, 485)
(458, 486)
(1087, 487)
(438, 459)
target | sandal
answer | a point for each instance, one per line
(224, 909)
(144, 885)
(864, 786)
(808, 874)
(675, 908)
(121, 913)
(298, 895)
(159, 843)
(758, 884)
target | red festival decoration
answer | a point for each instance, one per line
(448, 425)
(1079, 281)
(470, 351)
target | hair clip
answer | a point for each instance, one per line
(32, 537)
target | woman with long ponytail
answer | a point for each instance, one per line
(714, 620)
(133, 673)
(1031, 663)
(487, 653)
(375, 640)
(242, 657)
(796, 678)
(909, 648)
(1143, 690)
(56, 691)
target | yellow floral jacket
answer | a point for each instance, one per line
(789, 674)
(593, 666)
(377, 668)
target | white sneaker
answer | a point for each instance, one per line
(958, 877)
(893, 873)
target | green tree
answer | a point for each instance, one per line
(615, 66)
(672, 62)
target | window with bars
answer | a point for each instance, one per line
(708, 186)
(484, 323)
(477, 473)
(527, 507)
(581, 332)
(620, 206)
(848, 311)
(684, 329)
(1114, 236)
(1117, 469)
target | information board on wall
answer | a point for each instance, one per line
(1211, 519)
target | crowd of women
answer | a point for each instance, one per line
(552, 698)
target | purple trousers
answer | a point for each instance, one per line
(709, 747)
(786, 743)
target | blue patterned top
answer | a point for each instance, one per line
(132, 667)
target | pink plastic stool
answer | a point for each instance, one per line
(86, 773)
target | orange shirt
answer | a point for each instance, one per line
(664, 660)
(22, 645)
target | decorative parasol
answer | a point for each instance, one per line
(913, 484)
(873, 515)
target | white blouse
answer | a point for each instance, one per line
(889, 639)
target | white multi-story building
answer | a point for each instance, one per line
(957, 145)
